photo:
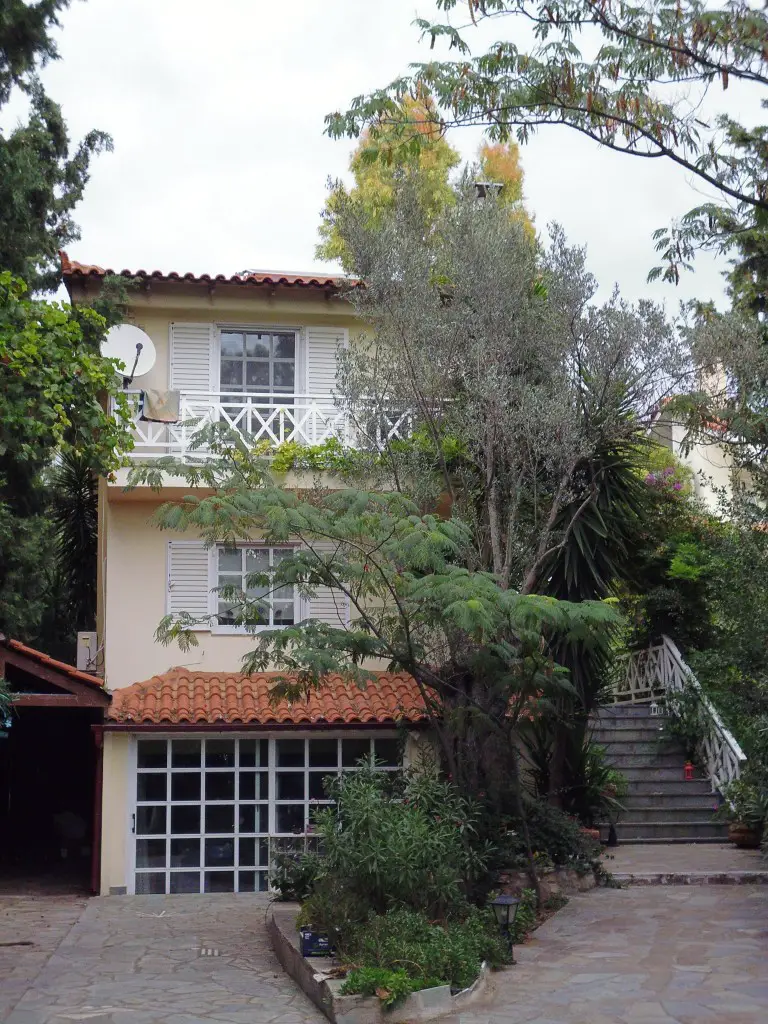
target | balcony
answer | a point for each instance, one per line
(275, 419)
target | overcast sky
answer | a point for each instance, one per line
(220, 161)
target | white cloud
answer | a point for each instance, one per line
(220, 161)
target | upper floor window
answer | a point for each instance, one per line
(234, 566)
(258, 362)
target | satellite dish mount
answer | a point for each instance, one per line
(129, 380)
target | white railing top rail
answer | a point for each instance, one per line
(661, 671)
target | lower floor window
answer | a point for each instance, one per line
(211, 812)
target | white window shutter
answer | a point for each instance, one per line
(329, 605)
(188, 583)
(322, 345)
(192, 353)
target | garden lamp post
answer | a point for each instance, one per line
(505, 909)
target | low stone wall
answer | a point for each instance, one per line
(555, 882)
(314, 976)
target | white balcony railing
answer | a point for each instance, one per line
(661, 672)
(307, 419)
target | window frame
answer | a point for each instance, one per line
(300, 355)
(268, 766)
(213, 583)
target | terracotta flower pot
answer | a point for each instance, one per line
(743, 836)
(593, 833)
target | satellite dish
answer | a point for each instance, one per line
(132, 348)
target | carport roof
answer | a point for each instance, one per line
(80, 688)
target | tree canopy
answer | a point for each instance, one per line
(639, 92)
(41, 177)
(415, 149)
(52, 378)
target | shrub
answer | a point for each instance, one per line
(406, 940)
(525, 918)
(295, 874)
(391, 987)
(557, 836)
(746, 801)
(410, 847)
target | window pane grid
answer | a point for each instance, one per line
(268, 792)
(234, 566)
(258, 362)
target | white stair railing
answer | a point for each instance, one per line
(660, 671)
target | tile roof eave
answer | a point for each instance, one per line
(181, 698)
(72, 271)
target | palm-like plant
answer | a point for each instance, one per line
(597, 557)
(73, 514)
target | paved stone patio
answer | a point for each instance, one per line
(632, 956)
(666, 955)
(680, 857)
(143, 960)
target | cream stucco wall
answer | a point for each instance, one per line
(135, 595)
(116, 798)
(132, 553)
(157, 308)
(711, 465)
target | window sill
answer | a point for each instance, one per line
(242, 630)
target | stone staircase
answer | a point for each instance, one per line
(661, 806)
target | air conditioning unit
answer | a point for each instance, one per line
(87, 645)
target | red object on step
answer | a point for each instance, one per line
(688, 770)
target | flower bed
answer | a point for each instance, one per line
(319, 979)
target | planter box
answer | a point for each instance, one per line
(316, 978)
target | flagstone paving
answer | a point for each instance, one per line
(710, 858)
(646, 955)
(667, 955)
(147, 960)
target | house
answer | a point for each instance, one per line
(194, 774)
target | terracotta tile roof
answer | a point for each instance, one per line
(181, 696)
(47, 662)
(71, 271)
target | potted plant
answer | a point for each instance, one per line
(746, 810)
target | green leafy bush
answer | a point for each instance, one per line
(384, 847)
(595, 793)
(747, 801)
(391, 987)
(554, 835)
(525, 918)
(407, 940)
(294, 874)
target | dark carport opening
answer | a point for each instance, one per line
(49, 773)
(47, 778)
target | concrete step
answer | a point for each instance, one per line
(650, 773)
(618, 722)
(632, 735)
(670, 788)
(612, 711)
(693, 831)
(681, 798)
(628, 756)
(670, 814)
(628, 841)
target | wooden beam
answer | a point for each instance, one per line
(52, 700)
